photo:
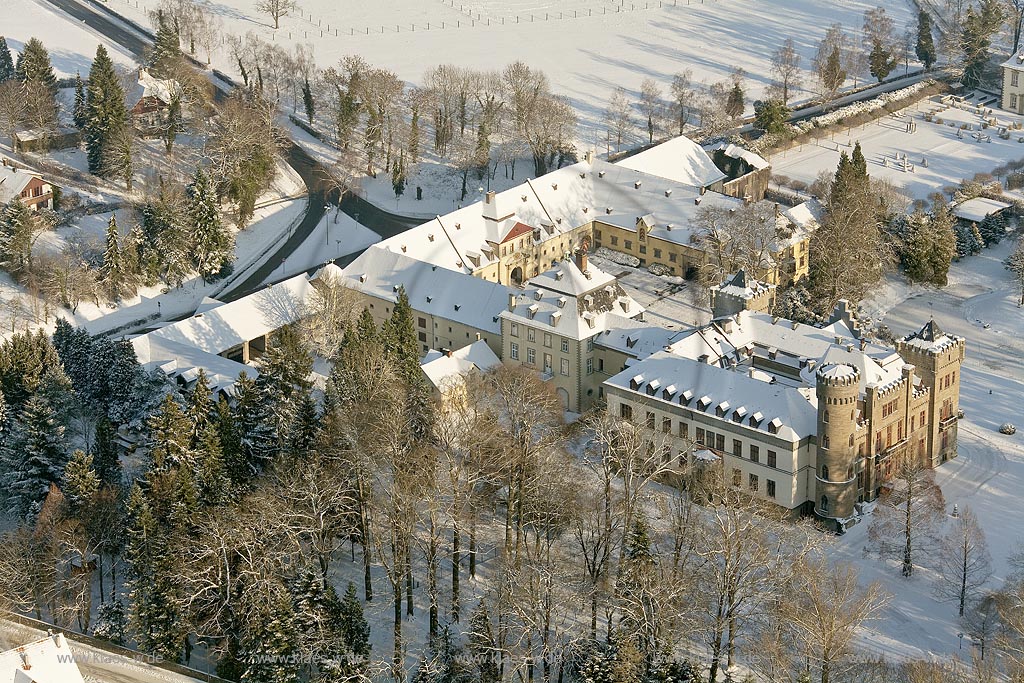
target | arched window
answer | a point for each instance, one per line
(851, 440)
(824, 472)
(824, 441)
(824, 504)
(849, 472)
(824, 416)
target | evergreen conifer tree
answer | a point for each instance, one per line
(269, 644)
(17, 226)
(881, 61)
(111, 622)
(354, 627)
(105, 109)
(34, 66)
(213, 245)
(482, 644)
(305, 426)
(80, 113)
(35, 457)
(6, 61)
(736, 101)
(213, 484)
(24, 360)
(256, 422)
(307, 100)
(200, 405)
(169, 431)
(105, 453)
(112, 273)
(172, 123)
(81, 483)
(166, 54)
(925, 48)
(230, 442)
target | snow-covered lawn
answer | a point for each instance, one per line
(988, 475)
(936, 156)
(587, 47)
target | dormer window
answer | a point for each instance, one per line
(685, 397)
(538, 294)
(669, 392)
(756, 419)
(653, 386)
(533, 310)
(738, 414)
(561, 301)
(703, 402)
(722, 408)
(774, 426)
(636, 381)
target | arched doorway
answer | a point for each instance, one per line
(517, 275)
(563, 398)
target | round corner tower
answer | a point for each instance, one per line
(837, 386)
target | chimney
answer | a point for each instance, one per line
(489, 197)
(581, 259)
(448, 352)
(589, 156)
(863, 343)
(511, 301)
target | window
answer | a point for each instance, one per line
(737, 477)
(643, 249)
(737, 448)
(531, 334)
(565, 367)
(772, 459)
(666, 425)
(615, 240)
(514, 351)
(514, 329)
(422, 322)
(547, 339)
(590, 366)
(1014, 78)
(752, 482)
(824, 472)
(600, 364)
(547, 363)
(769, 488)
(597, 235)
(626, 411)
(824, 441)
(755, 453)
(590, 345)
(629, 244)
(565, 346)
(657, 253)
(824, 417)
(720, 442)
(423, 337)
(531, 356)
(1013, 98)
(700, 436)
(824, 504)
(650, 420)
(684, 430)
(672, 257)
(711, 439)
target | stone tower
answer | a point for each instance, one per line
(837, 386)
(741, 293)
(937, 357)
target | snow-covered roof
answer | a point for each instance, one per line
(48, 660)
(930, 337)
(755, 161)
(1015, 62)
(431, 289)
(145, 85)
(13, 181)
(444, 369)
(680, 160)
(742, 286)
(571, 310)
(978, 209)
(636, 338)
(794, 408)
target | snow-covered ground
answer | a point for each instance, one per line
(335, 236)
(587, 47)
(71, 45)
(936, 156)
(988, 475)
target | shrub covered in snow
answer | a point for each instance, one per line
(1007, 428)
(658, 269)
(871, 106)
(617, 257)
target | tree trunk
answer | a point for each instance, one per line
(455, 573)
(409, 607)
(364, 532)
(99, 564)
(472, 549)
(908, 560)
(432, 581)
(396, 658)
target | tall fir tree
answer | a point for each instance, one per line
(213, 246)
(256, 421)
(172, 123)
(230, 442)
(17, 227)
(925, 47)
(105, 453)
(169, 442)
(34, 66)
(24, 360)
(105, 108)
(35, 457)
(80, 112)
(112, 274)
(166, 54)
(200, 406)
(7, 71)
(213, 485)
(308, 103)
(354, 626)
(74, 346)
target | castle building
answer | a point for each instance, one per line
(812, 419)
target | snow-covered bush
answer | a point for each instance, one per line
(617, 257)
(1007, 428)
(658, 269)
(871, 106)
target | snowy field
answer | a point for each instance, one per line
(988, 475)
(589, 47)
(949, 158)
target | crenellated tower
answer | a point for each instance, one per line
(837, 386)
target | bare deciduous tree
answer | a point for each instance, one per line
(276, 9)
(651, 107)
(964, 563)
(786, 69)
(682, 97)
